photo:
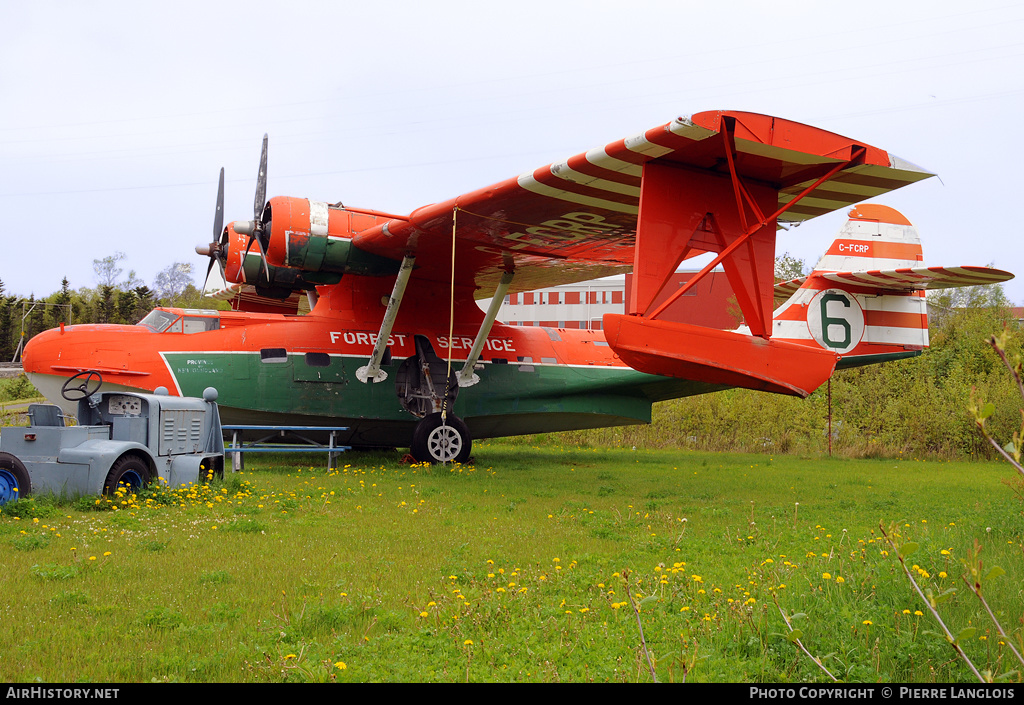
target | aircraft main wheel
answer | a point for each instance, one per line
(437, 441)
(129, 471)
(14, 481)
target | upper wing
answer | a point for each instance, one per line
(577, 219)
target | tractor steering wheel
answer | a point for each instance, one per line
(90, 384)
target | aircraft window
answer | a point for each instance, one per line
(273, 355)
(158, 321)
(176, 327)
(549, 360)
(200, 325)
(318, 359)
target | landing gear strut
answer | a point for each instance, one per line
(426, 388)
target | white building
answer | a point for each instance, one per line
(578, 305)
(582, 305)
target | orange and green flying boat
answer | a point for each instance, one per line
(395, 347)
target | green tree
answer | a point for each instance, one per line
(144, 302)
(172, 282)
(789, 267)
(6, 325)
(108, 270)
(105, 304)
(60, 310)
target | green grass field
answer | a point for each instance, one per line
(522, 567)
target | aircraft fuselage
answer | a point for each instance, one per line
(290, 370)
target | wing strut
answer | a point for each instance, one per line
(467, 378)
(372, 370)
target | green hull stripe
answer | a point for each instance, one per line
(509, 399)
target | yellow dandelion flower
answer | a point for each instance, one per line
(340, 665)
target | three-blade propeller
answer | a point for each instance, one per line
(256, 229)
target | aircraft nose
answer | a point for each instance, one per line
(41, 354)
(38, 348)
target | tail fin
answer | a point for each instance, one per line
(865, 299)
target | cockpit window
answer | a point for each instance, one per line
(161, 321)
(158, 321)
(194, 324)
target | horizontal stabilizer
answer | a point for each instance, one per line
(920, 278)
(903, 280)
(784, 290)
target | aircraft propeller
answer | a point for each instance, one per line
(255, 228)
(217, 249)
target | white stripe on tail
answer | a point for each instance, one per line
(865, 299)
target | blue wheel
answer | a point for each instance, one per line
(128, 471)
(14, 482)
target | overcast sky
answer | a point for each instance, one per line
(117, 116)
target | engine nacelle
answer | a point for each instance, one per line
(242, 267)
(234, 250)
(314, 237)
